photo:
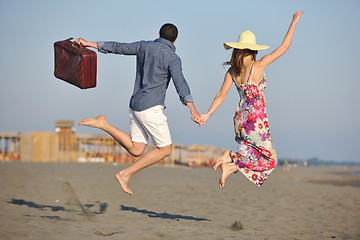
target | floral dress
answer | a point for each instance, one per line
(256, 157)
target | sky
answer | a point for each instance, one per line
(312, 94)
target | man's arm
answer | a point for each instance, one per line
(195, 116)
(112, 47)
(182, 88)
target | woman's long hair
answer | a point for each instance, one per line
(237, 59)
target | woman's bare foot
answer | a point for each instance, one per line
(225, 158)
(97, 122)
(227, 169)
(124, 182)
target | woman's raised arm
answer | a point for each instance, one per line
(278, 52)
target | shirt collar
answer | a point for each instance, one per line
(167, 42)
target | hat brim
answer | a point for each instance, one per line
(238, 45)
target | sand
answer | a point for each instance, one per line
(84, 201)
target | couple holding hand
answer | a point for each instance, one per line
(156, 64)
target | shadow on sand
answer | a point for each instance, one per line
(20, 202)
(102, 208)
(153, 214)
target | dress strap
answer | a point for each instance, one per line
(251, 72)
(233, 77)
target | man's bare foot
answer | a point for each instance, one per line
(227, 169)
(225, 158)
(124, 183)
(97, 122)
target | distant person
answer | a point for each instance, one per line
(256, 157)
(157, 63)
(286, 166)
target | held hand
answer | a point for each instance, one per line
(85, 43)
(296, 16)
(196, 117)
(81, 41)
(204, 118)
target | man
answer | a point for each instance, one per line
(157, 63)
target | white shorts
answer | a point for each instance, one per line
(150, 123)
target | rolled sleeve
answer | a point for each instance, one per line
(188, 99)
(100, 46)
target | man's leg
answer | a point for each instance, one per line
(147, 159)
(154, 123)
(159, 132)
(123, 138)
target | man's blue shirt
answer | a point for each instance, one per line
(156, 64)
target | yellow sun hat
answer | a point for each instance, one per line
(247, 40)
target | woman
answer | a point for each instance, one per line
(256, 157)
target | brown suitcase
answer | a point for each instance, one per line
(75, 64)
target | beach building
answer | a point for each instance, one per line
(9, 146)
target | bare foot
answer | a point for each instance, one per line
(124, 183)
(97, 122)
(227, 169)
(225, 158)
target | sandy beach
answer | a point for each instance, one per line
(84, 201)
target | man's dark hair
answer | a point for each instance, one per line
(169, 32)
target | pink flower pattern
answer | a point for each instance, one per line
(256, 157)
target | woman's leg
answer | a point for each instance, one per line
(227, 169)
(223, 159)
